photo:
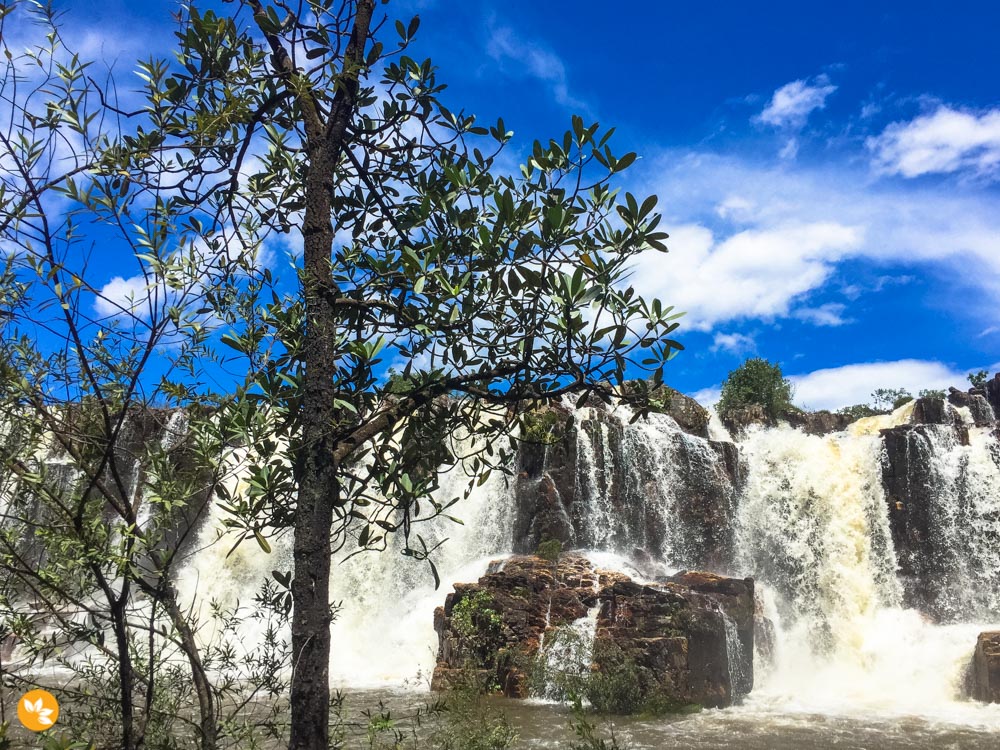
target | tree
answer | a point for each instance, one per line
(977, 379)
(494, 292)
(90, 374)
(756, 381)
(886, 400)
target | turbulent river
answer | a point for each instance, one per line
(852, 667)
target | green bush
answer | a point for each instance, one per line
(756, 381)
(543, 426)
(885, 400)
(978, 378)
(549, 549)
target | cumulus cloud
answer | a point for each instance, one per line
(755, 273)
(836, 387)
(763, 251)
(123, 297)
(944, 141)
(734, 343)
(830, 314)
(791, 105)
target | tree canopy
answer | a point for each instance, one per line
(756, 381)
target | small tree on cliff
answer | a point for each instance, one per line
(756, 381)
(491, 291)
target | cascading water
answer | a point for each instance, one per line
(808, 517)
(568, 653)
(963, 521)
(734, 653)
(383, 631)
(814, 530)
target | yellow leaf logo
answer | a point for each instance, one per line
(38, 710)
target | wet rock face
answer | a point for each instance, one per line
(942, 518)
(818, 422)
(690, 416)
(991, 390)
(738, 420)
(984, 676)
(689, 635)
(910, 486)
(607, 484)
(142, 430)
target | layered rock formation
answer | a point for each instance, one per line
(661, 488)
(940, 515)
(687, 639)
(984, 672)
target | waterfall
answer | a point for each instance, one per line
(734, 655)
(963, 521)
(814, 529)
(812, 525)
(650, 486)
(568, 653)
(383, 631)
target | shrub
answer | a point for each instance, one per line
(549, 549)
(543, 426)
(885, 400)
(978, 378)
(756, 381)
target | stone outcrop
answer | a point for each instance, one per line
(991, 390)
(934, 491)
(689, 636)
(600, 483)
(910, 485)
(689, 415)
(817, 422)
(737, 421)
(984, 672)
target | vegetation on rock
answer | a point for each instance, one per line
(757, 382)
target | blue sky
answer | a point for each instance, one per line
(828, 173)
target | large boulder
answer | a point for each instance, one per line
(984, 674)
(739, 420)
(991, 389)
(817, 422)
(686, 639)
(689, 415)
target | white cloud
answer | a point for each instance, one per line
(735, 207)
(835, 387)
(945, 141)
(707, 397)
(755, 273)
(830, 314)
(799, 226)
(735, 343)
(790, 150)
(505, 45)
(791, 105)
(123, 297)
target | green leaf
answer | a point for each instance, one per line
(262, 542)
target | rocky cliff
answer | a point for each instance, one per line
(683, 639)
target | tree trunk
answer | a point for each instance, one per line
(203, 688)
(316, 465)
(125, 673)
